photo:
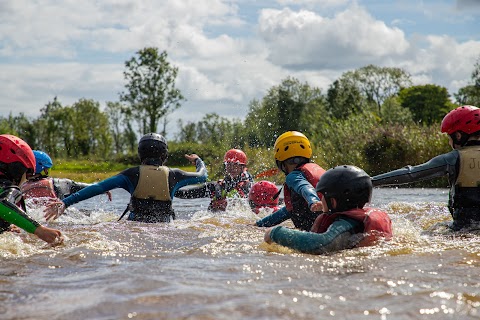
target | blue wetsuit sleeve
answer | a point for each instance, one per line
(183, 178)
(297, 182)
(439, 166)
(117, 181)
(315, 243)
(275, 218)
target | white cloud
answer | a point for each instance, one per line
(304, 39)
(77, 49)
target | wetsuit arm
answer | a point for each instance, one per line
(192, 193)
(180, 178)
(275, 218)
(316, 243)
(297, 182)
(65, 187)
(14, 215)
(437, 167)
(117, 181)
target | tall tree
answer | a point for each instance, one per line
(89, 129)
(427, 103)
(151, 92)
(377, 84)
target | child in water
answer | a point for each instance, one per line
(40, 186)
(292, 155)
(263, 194)
(16, 159)
(345, 222)
(151, 185)
(237, 182)
(461, 165)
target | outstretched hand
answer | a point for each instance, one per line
(266, 237)
(54, 210)
(192, 158)
(49, 235)
(317, 206)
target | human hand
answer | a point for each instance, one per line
(109, 195)
(14, 228)
(49, 235)
(192, 158)
(317, 206)
(54, 210)
(266, 237)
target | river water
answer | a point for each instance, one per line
(216, 266)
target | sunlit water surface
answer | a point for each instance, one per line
(216, 266)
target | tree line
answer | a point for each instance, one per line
(372, 117)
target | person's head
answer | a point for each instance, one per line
(344, 187)
(43, 162)
(235, 161)
(292, 149)
(153, 149)
(263, 194)
(460, 124)
(16, 158)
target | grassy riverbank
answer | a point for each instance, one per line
(91, 171)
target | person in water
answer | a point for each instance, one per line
(461, 166)
(16, 159)
(345, 222)
(40, 186)
(292, 156)
(151, 185)
(237, 182)
(263, 194)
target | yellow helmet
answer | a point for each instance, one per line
(292, 144)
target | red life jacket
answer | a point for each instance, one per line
(301, 215)
(41, 188)
(376, 224)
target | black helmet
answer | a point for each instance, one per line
(349, 185)
(152, 149)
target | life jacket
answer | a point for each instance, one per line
(226, 188)
(39, 188)
(302, 217)
(376, 224)
(466, 190)
(151, 200)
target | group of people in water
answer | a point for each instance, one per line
(328, 208)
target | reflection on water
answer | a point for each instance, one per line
(216, 266)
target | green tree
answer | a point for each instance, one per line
(151, 92)
(90, 129)
(428, 103)
(344, 98)
(282, 109)
(377, 84)
(470, 94)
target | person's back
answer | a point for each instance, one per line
(461, 166)
(345, 222)
(151, 185)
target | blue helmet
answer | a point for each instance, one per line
(42, 161)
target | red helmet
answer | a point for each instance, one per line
(14, 149)
(236, 156)
(465, 119)
(263, 193)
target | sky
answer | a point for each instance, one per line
(228, 52)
